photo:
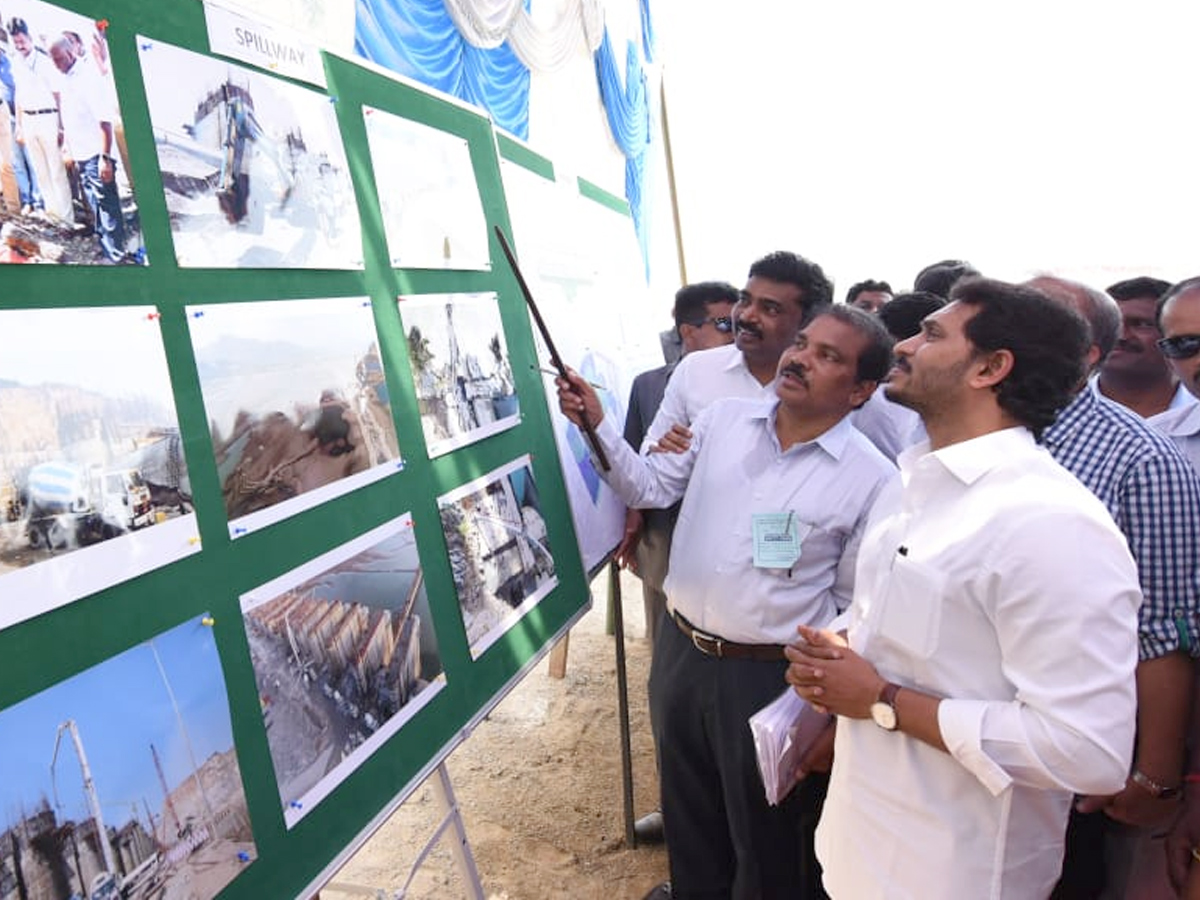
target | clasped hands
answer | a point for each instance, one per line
(829, 675)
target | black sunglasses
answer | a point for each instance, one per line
(723, 324)
(1182, 346)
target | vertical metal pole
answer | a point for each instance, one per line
(459, 846)
(670, 157)
(614, 600)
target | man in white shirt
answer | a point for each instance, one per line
(1135, 374)
(783, 292)
(38, 127)
(989, 671)
(1179, 321)
(775, 494)
(87, 124)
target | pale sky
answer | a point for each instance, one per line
(876, 137)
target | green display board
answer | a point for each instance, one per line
(215, 572)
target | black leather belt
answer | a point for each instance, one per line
(38, 112)
(711, 645)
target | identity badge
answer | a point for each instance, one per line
(777, 538)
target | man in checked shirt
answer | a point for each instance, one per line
(1115, 844)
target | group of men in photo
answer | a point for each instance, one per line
(61, 138)
(965, 522)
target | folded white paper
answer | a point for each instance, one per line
(784, 730)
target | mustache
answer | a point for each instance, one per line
(739, 326)
(901, 363)
(796, 371)
(1129, 346)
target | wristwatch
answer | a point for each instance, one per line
(883, 710)
(1152, 787)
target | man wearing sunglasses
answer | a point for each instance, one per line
(1179, 320)
(1178, 316)
(703, 320)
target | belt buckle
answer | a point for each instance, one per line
(716, 643)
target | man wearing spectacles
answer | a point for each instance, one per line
(703, 320)
(1135, 373)
(1114, 843)
(1178, 317)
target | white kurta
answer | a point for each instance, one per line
(991, 577)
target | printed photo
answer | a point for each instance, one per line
(460, 367)
(499, 551)
(65, 189)
(123, 781)
(432, 213)
(253, 167)
(344, 654)
(94, 486)
(297, 402)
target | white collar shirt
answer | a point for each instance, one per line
(991, 577)
(1182, 425)
(889, 426)
(733, 470)
(1180, 399)
(36, 79)
(699, 379)
(83, 104)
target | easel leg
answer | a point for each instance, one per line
(459, 847)
(614, 605)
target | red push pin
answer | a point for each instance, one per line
(102, 25)
(154, 315)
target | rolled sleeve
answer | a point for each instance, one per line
(1162, 522)
(961, 725)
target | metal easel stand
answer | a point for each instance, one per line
(460, 848)
(618, 619)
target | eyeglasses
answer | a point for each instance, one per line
(723, 324)
(1182, 346)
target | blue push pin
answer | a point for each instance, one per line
(237, 531)
(296, 804)
(243, 856)
(147, 46)
(197, 314)
(366, 303)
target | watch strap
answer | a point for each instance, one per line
(887, 694)
(1148, 784)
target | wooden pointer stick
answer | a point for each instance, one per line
(555, 359)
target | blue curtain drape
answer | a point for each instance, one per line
(628, 110)
(418, 39)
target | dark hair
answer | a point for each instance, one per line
(691, 300)
(1137, 288)
(17, 25)
(876, 357)
(902, 317)
(867, 286)
(939, 277)
(1183, 287)
(1048, 342)
(816, 290)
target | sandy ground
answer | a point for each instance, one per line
(546, 822)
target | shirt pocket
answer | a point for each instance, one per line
(912, 613)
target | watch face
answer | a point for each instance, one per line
(884, 715)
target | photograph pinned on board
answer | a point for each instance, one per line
(252, 166)
(432, 212)
(461, 369)
(94, 487)
(297, 401)
(344, 654)
(66, 194)
(499, 551)
(123, 780)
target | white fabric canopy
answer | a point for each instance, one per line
(489, 23)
